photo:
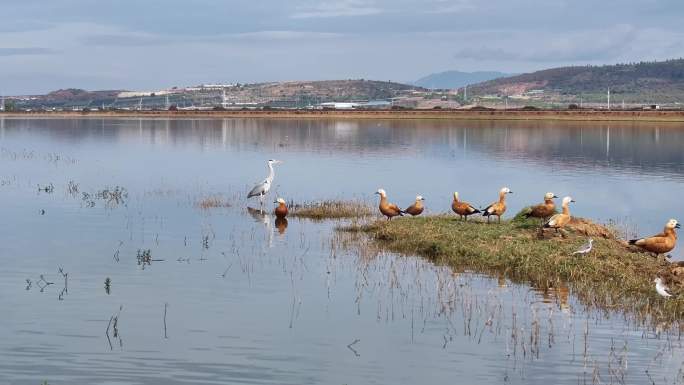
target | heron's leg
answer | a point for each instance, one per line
(261, 199)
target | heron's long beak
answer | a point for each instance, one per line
(677, 226)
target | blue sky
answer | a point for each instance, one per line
(126, 44)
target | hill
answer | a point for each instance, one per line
(644, 82)
(276, 94)
(457, 79)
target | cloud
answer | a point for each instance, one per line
(11, 51)
(124, 39)
(584, 46)
(343, 8)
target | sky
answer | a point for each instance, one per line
(155, 44)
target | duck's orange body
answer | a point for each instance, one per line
(390, 210)
(462, 209)
(660, 243)
(416, 208)
(544, 210)
(281, 210)
(497, 208)
(559, 221)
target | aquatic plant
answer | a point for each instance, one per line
(331, 209)
(211, 202)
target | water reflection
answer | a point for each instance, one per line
(281, 225)
(247, 308)
(572, 145)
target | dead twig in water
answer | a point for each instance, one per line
(352, 349)
(166, 305)
(65, 289)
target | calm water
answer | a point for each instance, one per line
(229, 297)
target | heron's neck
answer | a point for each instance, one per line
(271, 173)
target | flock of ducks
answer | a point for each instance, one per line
(661, 243)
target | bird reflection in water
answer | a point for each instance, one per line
(261, 216)
(281, 225)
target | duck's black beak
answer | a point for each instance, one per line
(376, 193)
(555, 197)
(572, 200)
(677, 226)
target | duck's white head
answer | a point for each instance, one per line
(280, 200)
(506, 190)
(672, 224)
(381, 192)
(550, 195)
(567, 200)
(456, 195)
(419, 198)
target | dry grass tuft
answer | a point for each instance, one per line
(211, 202)
(331, 209)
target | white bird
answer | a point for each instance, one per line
(586, 248)
(661, 288)
(262, 188)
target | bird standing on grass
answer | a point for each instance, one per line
(263, 188)
(416, 208)
(661, 288)
(559, 221)
(387, 209)
(497, 208)
(544, 210)
(586, 248)
(462, 209)
(660, 243)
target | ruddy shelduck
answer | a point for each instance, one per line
(660, 243)
(417, 207)
(281, 210)
(559, 221)
(497, 208)
(544, 210)
(462, 209)
(390, 210)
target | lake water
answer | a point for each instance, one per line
(229, 297)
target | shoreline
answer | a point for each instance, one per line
(465, 115)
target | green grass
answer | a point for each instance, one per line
(612, 276)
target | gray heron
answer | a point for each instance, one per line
(262, 188)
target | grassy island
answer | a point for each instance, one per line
(612, 276)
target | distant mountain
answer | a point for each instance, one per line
(634, 82)
(457, 79)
